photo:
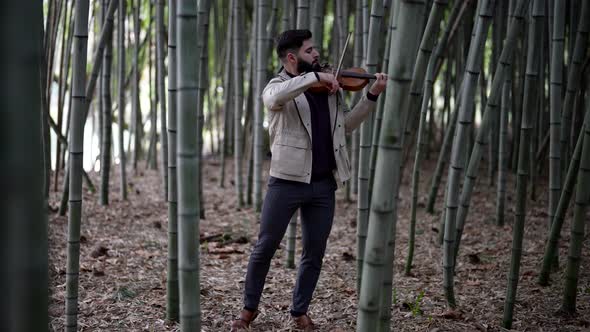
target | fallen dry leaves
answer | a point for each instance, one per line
(124, 256)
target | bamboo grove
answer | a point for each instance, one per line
(493, 90)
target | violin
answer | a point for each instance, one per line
(351, 79)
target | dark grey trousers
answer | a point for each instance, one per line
(316, 201)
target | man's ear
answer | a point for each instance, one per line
(291, 58)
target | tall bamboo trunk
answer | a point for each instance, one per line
(317, 22)
(61, 90)
(100, 13)
(459, 151)
(443, 157)
(366, 10)
(556, 87)
(76, 147)
(533, 65)
(24, 230)
(250, 104)
(302, 14)
(122, 62)
(286, 15)
(364, 196)
(172, 303)
(579, 221)
(573, 79)
(50, 53)
(202, 45)
(387, 286)
(302, 23)
(160, 55)
(238, 64)
(261, 64)
(383, 216)
(492, 105)
(189, 161)
(422, 84)
(378, 117)
(152, 157)
(105, 153)
(502, 148)
(559, 218)
(227, 99)
(499, 34)
(67, 82)
(357, 62)
(135, 107)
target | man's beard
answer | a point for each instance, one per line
(306, 67)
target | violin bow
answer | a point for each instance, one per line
(342, 55)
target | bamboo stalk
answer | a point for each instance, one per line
(76, 148)
(533, 65)
(382, 219)
(188, 160)
(172, 291)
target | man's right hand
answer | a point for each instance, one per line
(329, 81)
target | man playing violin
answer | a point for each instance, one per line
(309, 161)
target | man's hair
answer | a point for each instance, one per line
(291, 41)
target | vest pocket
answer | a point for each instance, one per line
(289, 155)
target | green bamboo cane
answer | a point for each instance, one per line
(188, 160)
(442, 157)
(573, 79)
(24, 230)
(458, 153)
(505, 108)
(152, 157)
(105, 35)
(556, 87)
(357, 61)
(387, 286)
(535, 38)
(564, 200)
(378, 116)
(492, 105)
(238, 61)
(436, 15)
(135, 105)
(502, 148)
(286, 15)
(365, 143)
(122, 61)
(203, 49)
(228, 101)
(172, 303)
(383, 214)
(302, 14)
(63, 77)
(302, 23)
(107, 115)
(160, 56)
(76, 148)
(317, 22)
(570, 291)
(261, 72)
(362, 228)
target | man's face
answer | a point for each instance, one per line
(308, 57)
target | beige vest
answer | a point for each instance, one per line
(290, 127)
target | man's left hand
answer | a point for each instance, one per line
(379, 85)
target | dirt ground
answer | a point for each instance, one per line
(124, 253)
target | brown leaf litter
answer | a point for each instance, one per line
(124, 255)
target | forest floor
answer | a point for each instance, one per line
(124, 256)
